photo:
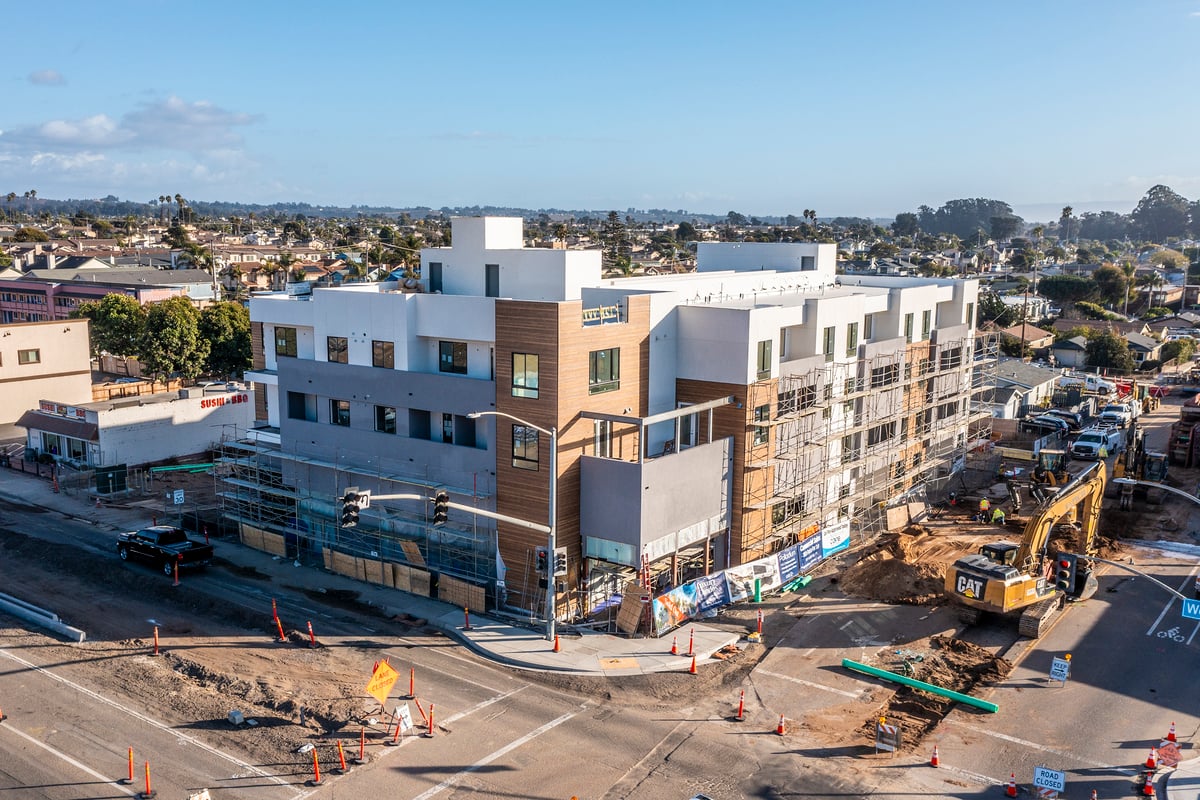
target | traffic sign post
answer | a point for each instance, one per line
(887, 737)
(1052, 779)
(1060, 669)
(177, 496)
(1191, 609)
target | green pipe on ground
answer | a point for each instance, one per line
(925, 687)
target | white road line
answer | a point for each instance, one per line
(481, 705)
(974, 776)
(483, 762)
(1171, 602)
(842, 692)
(153, 722)
(451, 676)
(1041, 748)
(8, 728)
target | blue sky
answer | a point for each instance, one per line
(850, 108)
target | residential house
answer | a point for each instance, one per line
(1143, 348)
(1021, 386)
(1070, 352)
(1034, 338)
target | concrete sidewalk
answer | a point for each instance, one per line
(517, 645)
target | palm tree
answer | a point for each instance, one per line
(179, 203)
(1064, 223)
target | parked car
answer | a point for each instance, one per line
(1087, 445)
(1073, 419)
(1044, 424)
(165, 546)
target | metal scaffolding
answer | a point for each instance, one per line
(848, 439)
(253, 489)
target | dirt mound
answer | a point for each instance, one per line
(895, 573)
(952, 664)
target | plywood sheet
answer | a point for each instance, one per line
(413, 553)
(274, 544)
(418, 580)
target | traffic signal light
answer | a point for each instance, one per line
(1066, 571)
(543, 561)
(441, 508)
(560, 561)
(350, 508)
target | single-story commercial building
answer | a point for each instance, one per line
(138, 430)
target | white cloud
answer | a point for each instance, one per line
(171, 124)
(47, 77)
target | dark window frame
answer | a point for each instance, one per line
(285, 341)
(24, 357)
(604, 370)
(525, 447)
(381, 419)
(521, 384)
(383, 354)
(337, 349)
(448, 357)
(339, 412)
(764, 360)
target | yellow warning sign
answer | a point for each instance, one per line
(382, 681)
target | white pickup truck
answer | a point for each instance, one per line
(1116, 414)
(1087, 444)
(1089, 383)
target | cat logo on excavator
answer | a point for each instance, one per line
(969, 587)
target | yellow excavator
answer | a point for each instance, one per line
(1008, 578)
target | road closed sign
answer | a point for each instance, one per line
(1053, 779)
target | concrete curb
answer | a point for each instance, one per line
(40, 617)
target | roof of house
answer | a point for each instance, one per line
(1015, 372)
(1144, 343)
(1073, 343)
(127, 277)
(1115, 326)
(1027, 333)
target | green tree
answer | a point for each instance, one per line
(993, 309)
(171, 342)
(1003, 226)
(906, 224)
(28, 234)
(1111, 284)
(883, 250)
(1064, 223)
(1161, 213)
(1066, 290)
(1109, 351)
(117, 323)
(1171, 259)
(1181, 349)
(226, 328)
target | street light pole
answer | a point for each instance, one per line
(552, 511)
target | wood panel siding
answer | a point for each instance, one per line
(554, 331)
(258, 360)
(732, 420)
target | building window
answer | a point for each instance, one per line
(951, 359)
(524, 447)
(435, 277)
(764, 359)
(383, 354)
(908, 328)
(852, 339)
(339, 413)
(448, 428)
(452, 357)
(881, 433)
(524, 375)
(602, 438)
(285, 342)
(337, 349)
(868, 327)
(808, 263)
(885, 375)
(926, 323)
(762, 415)
(302, 406)
(29, 356)
(385, 419)
(604, 370)
(491, 280)
(827, 347)
(970, 314)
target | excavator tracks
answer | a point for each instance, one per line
(1036, 619)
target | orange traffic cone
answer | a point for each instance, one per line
(933, 762)
(1011, 790)
(781, 728)
(1148, 786)
(1171, 733)
(1152, 759)
(692, 669)
(1094, 795)
(556, 647)
(674, 645)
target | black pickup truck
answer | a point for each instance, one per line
(166, 546)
